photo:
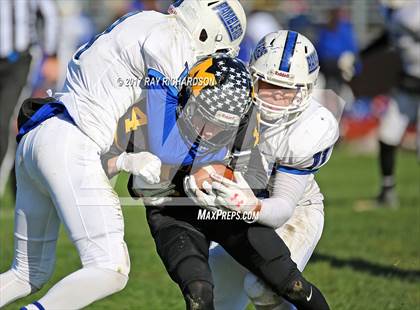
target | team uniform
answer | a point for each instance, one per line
(58, 166)
(291, 157)
(297, 137)
(404, 104)
(404, 28)
(181, 237)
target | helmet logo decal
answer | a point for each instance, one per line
(230, 20)
(288, 51)
(200, 78)
(313, 62)
(227, 117)
(260, 49)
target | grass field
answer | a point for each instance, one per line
(365, 260)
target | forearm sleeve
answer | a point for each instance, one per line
(288, 190)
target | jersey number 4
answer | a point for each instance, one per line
(138, 118)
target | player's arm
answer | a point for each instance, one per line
(163, 135)
(142, 164)
(274, 211)
(127, 153)
(290, 182)
(310, 147)
(279, 207)
(109, 161)
(162, 74)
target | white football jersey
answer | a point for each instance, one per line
(107, 75)
(406, 31)
(301, 148)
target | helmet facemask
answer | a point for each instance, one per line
(210, 114)
(285, 61)
(277, 114)
(198, 127)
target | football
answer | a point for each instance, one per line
(203, 173)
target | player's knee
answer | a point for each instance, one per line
(116, 259)
(120, 282)
(176, 245)
(35, 276)
(123, 260)
(110, 281)
(120, 259)
(199, 296)
(298, 289)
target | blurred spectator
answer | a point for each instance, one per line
(337, 49)
(147, 5)
(18, 20)
(260, 21)
(77, 28)
(299, 18)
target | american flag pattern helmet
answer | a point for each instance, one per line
(218, 89)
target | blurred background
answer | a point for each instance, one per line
(369, 51)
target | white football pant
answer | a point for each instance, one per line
(60, 180)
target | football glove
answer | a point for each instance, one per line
(153, 194)
(205, 199)
(143, 164)
(236, 196)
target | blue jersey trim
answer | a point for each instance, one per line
(158, 79)
(165, 140)
(288, 51)
(38, 305)
(324, 156)
(320, 158)
(317, 158)
(45, 112)
(295, 171)
(160, 88)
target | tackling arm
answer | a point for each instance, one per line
(288, 190)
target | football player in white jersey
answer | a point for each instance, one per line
(60, 178)
(404, 106)
(297, 138)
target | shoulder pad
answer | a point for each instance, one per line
(167, 51)
(314, 133)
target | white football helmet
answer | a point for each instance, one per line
(286, 59)
(212, 24)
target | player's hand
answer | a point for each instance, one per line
(205, 199)
(237, 196)
(153, 194)
(143, 164)
(155, 201)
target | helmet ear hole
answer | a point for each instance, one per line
(203, 35)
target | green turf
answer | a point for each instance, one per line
(368, 260)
